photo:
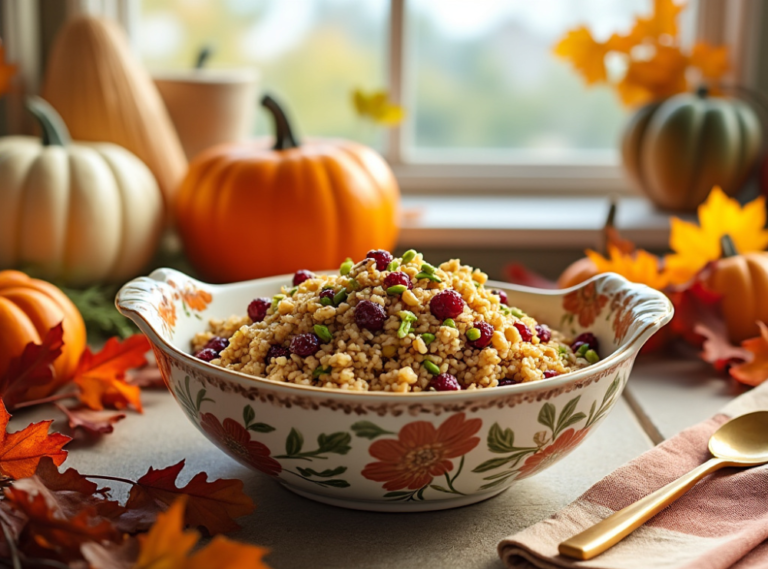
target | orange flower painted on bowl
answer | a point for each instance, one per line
(167, 311)
(586, 303)
(565, 443)
(234, 437)
(196, 299)
(421, 452)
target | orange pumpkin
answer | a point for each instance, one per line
(577, 272)
(742, 280)
(28, 309)
(246, 210)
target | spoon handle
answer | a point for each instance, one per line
(617, 526)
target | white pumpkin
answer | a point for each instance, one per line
(80, 213)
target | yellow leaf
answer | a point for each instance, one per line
(377, 107)
(660, 76)
(639, 267)
(696, 245)
(663, 22)
(585, 54)
(712, 61)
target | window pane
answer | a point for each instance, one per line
(309, 53)
(483, 76)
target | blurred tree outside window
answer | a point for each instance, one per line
(480, 80)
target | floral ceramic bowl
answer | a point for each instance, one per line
(395, 452)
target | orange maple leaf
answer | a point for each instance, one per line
(711, 60)
(167, 545)
(639, 266)
(7, 71)
(585, 53)
(101, 376)
(663, 21)
(695, 246)
(20, 452)
(660, 76)
(754, 372)
(212, 505)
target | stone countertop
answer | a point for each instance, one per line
(664, 395)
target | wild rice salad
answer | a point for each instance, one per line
(392, 324)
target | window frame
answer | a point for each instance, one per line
(739, 26)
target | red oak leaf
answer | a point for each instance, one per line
(212, 505)
(33, 368)
(49, 529)
(755, 370)
(94, 423)
(101, 376)
(20, 452)
(695, 305)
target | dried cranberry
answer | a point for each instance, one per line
(206, 354)
(370, 315)
(383, 258)
(398, 278)
(301, 276)
(444, 382)
(305, 345)
(587, 338)
(502, 296)
(446, 304)
(257, 309)
(277, 352)
(550, 373)
(525, 333)
(507, 381)
(327, 293)
(544, 333)
(217, 344)
(486, 332)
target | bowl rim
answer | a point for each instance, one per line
(632, 346)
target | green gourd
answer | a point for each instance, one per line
(678, 149)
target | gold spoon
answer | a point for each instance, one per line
(741, 442)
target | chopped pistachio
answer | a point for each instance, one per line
(396, 290)
(592, 357)
(353, 285)
(449, 322)
(323, 333)
(474, 334)
(321, 371)
(477, 284)
(583, 349)
(404, 329)
(276, 300)
(409, 255)
(346, 266)
(339, 297)
(517, 312)
(562, 351)
(293, 291)
(427, 268)
(504, 310)
(393, 265)
(431, 367)
(428, 338)
(325, 301)
(407, 316)
(433, 278)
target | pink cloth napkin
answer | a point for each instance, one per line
(721, 522)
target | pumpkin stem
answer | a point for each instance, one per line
(55, 132)
(702, 92)
(284, 138)
(727, 246)
(203, 56)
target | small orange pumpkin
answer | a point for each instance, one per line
(28, 309)
(246, 210)
(577, 272)
(742, 280)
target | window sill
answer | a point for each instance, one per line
(519, 222)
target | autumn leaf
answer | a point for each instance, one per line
(7, 71)
(754, 371)
(212, 505)
(712, 61)
(49, 529)
(101, 376)
(147, 377)
(33, 368)
(377, 107)
(585, 54)
(658, 77)
(20, 452)
(167, 546)
(639, 267)
(695, 246)
(94, 423)
(662, 23)
(695, 305)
